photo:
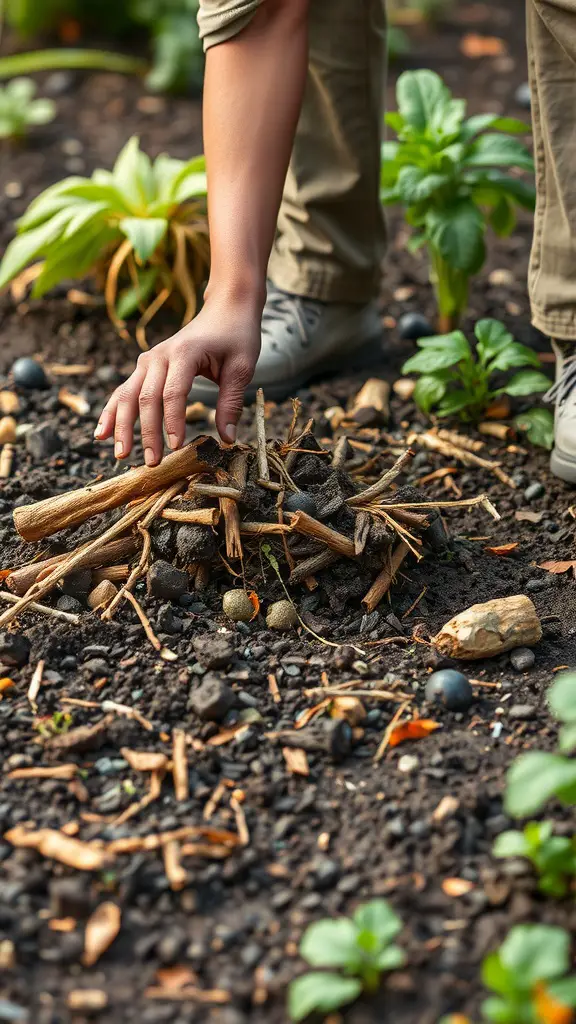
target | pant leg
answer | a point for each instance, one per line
(552, 61)
(331, 230)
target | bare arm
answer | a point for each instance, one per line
(252, 99)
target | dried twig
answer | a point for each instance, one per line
(302, 523)
(144, 620)
(32, 606)
(241, 825)
(175, 873)
(231, 516)
(6, 460)
(383, 483)
(388, 731)
(435, 443)
(310, 566)
(35, 684)
(263, 469)
(180, 765)
(199, 516)
(383, 581)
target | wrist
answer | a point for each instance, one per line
(247, 291)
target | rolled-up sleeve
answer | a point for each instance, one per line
(220, 20)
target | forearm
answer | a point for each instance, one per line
(253, 94)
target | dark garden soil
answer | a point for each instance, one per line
(350, 830)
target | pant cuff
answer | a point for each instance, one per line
(554, 326)
(316, 280)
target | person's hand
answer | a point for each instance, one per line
(221, 343)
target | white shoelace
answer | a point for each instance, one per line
(298, 315)
(565, 384)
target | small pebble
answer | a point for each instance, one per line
(534, 491)
(42, 442)
(237, 606)
(27, 373)
(522, 712)
(212, 700)
(300, 501)
(166, 581)
(450, 688)
(408, 763)
(14, 649)
(412, 326)
(13, 189)
(282, 616)
(523, 96)
(522, 659)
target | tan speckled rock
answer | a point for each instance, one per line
(237, 606)
(282, 616)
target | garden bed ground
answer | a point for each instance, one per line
(348, 831)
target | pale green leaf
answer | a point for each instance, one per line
(378, 918)
(145, 234)
(321, 992)
(418, 94)
(535, 953)
(534, 778)
(330, 943)
(527, 382)
(538, 425)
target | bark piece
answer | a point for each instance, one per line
(63, 511)
(484, 630)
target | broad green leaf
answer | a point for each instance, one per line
(499, 1012)
(534, 778)
(145, 233)
(458, 234)
(389, 151)
(72, 258)
(503, 217)
(495, 974)
(513, 356)
(391, 959)
(428, 392)
(418, 94)
(527, 382)
(51, 201)
(127, 175)
(538, 425)
(455, 402)
(395, 121)
(41, 112)
(446, 121)
(23, 249)
(82, 216)
(330, 943)
(106, 193)
(562, 697)
(416, 185)
(510, 844)
(567, 739)
(321, 992)
(378, 918)
(494, 150)
(564, 990)
(492, 338)
(430, 359)
(537, 832)
(494, 183)
(536, 952)
(132, 298)
(454, 340)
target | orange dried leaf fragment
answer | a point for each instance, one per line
(416, 730)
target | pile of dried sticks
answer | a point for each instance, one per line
(208, 485)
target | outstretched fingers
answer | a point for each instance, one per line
(235, 376)
(150, 403)
(177, 387)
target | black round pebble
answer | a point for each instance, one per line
(300, 501)
(450, 688)
(27, 373)
(412, 326)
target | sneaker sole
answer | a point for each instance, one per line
(563, 466)
(367, 355)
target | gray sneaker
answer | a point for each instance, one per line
(563, 393)
(302, 338)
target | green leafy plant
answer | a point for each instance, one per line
(528, 976)
(19, 110)
(361, 947)
(538, 425)
(178, 57)
(553, 857)
(537, 776)
(141, 228)
(55, 725)
(456, 379)
(450, 173)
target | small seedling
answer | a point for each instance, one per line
(56, 725)
(455, 379)
(450, 173)
(537, 776)
(528, 976)
(140, 228)
(553, 857)
(361, 947)
(19, 110)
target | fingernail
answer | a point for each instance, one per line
(173, 441)
(99, 430)
(149, 456)
(118, 449)
(231, 430)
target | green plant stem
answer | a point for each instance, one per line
(70, 60)
(370, 978)
(451, 290)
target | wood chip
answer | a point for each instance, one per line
(101, 930)
(81, 739)
(189, 994)
(61, 771)
(296, 760)
(88, 1000)
(273, 687)
(243, 833)
(457, 886)
(446, 808)
(35, 684)
(50, 843)
(144, 760)
(177, 875)
(180, 765)
(62, 925)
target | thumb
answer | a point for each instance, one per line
(234, 378)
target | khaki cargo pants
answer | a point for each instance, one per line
(331, 234)
(552, 61)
